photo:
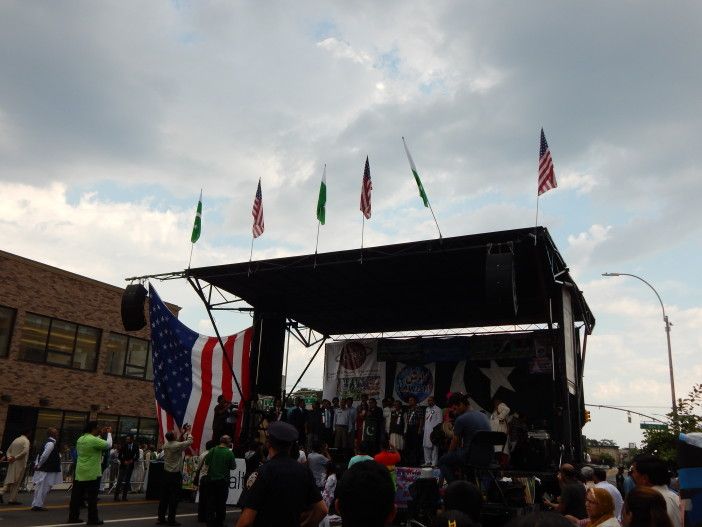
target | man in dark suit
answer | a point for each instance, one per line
(128, 455)
(298, 418)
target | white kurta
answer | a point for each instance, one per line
(432, 417)
(43, 481)
(19, 450)
(499, 418)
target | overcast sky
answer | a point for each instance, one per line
(113, 115)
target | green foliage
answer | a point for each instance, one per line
(604, 459)
(600, 442)
(662, 442)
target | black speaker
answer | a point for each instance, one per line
(500, 285)
(133, 301)
(267, 352)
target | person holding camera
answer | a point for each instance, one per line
(224, 418)
(172, 476)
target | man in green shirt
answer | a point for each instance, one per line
(86, 483)
(220, 462)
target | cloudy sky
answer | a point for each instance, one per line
(113, 116)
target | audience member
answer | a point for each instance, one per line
(645, 507)
(464, 497)
(572, 499)
(600, 479)
(172, 476)
(650, 471)
(365, 496)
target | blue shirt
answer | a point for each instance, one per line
(468, 423)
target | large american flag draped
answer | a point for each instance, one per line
(366, 188)
(191, 371)
(257, 212)
(547, 177)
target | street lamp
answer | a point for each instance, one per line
(667, 334)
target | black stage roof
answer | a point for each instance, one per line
(425, 285)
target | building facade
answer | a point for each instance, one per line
(65, 357)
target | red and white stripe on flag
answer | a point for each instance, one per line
(547, 176)
(366, 188)
(212, 377)
(257, 212)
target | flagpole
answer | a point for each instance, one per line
(250, 255)
(437, 223)
(316, 245)
(192, 243)
(536, 222)
(363, 228)
(422, 192)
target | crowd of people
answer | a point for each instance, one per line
(419, 433)
(338, 459)
(642, 498)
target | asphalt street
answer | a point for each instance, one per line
(136, 512)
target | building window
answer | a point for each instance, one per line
(144, 429)
(129, 357)
(7, 321)
(59, 343)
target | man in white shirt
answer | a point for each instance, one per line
(650, 471)
(599, 476)
(432, 417)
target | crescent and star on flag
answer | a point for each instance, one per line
(498, 376)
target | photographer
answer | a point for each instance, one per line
(172, 477)
(224, 418)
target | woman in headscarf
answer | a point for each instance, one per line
(600, 508)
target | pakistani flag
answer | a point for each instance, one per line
(422, 194)
(322, 200)
(198, 221)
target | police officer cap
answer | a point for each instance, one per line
(283, 432)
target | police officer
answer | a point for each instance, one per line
(282, 492)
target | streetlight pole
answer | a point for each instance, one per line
(667, 335)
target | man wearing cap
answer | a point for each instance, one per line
(282, 493)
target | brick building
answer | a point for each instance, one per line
(66, 358)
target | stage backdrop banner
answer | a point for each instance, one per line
(351, 368)
(517, 369)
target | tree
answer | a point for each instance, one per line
(662, 443)
(604, 459)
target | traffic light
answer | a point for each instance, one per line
(586, 417)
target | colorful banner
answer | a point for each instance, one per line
(351, 368)
(405, 477)
(516, 369)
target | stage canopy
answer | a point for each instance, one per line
(425, 285)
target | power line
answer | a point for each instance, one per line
(639, 406)
(625, 410)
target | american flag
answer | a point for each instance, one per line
(366, 188)
(547, 177)
(257, 212)
(190, 372)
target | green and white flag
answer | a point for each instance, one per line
(197, 226)
(422, 194)
(322, 200)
